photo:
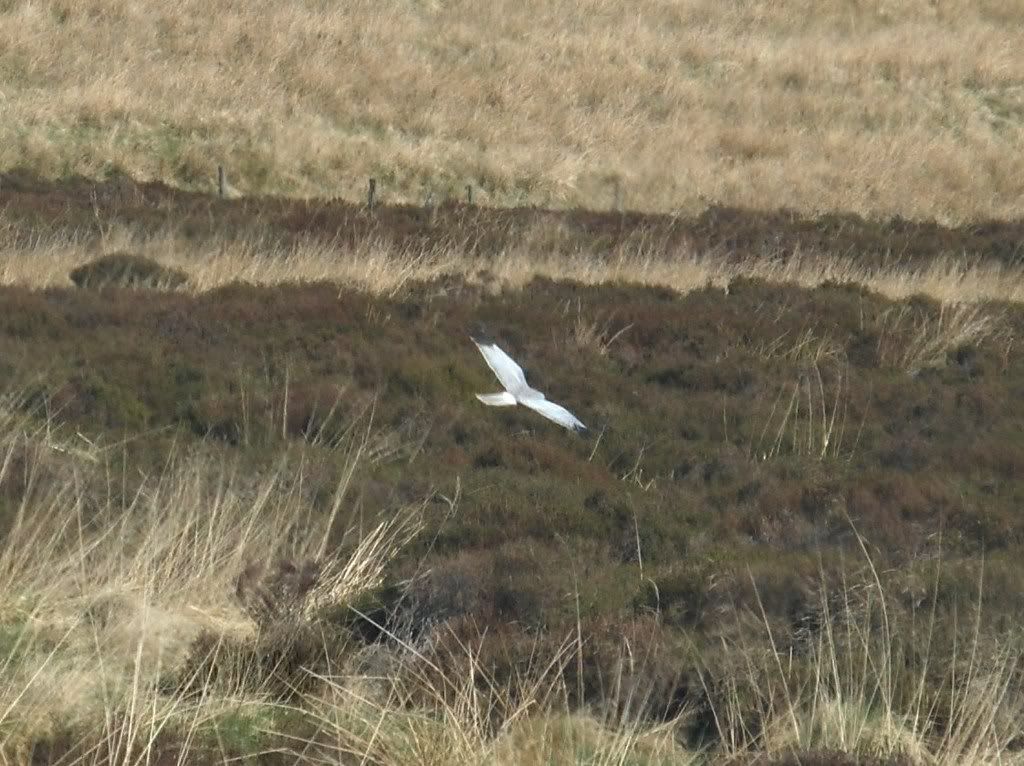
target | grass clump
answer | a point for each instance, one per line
(913, 340)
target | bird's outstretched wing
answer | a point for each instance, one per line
(509, 374)
(555, 412)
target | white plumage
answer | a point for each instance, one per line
(517, 391)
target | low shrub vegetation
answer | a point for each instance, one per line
(791, 532)
(126, 270)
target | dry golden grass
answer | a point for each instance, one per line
(103, 595)
(878, 107)
(381, 268)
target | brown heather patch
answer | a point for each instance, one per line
(126, 270)
(260, 519)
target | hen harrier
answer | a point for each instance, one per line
(517, 391)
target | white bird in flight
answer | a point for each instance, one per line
(517, 391)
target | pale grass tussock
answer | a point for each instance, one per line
(126, 587)
(857, 684)
(594, 334)
(913, 108)
(807, 349)
(808, 416)
(912, 342)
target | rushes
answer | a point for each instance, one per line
(463, 714)
(455, 718)
(107, 589)
(808, 416)
(363, 569)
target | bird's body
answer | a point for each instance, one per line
(518, 391)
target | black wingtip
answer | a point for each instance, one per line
(481, 336)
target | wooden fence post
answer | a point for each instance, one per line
(221, 181)
(469, 194)
(370, 194)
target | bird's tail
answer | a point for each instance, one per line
(504, 399)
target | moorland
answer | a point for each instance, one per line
(252, 508)
(771, 254)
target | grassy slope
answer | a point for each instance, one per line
(876, 108)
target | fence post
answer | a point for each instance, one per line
(370, 194)
(469, 194)
(221, 181)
